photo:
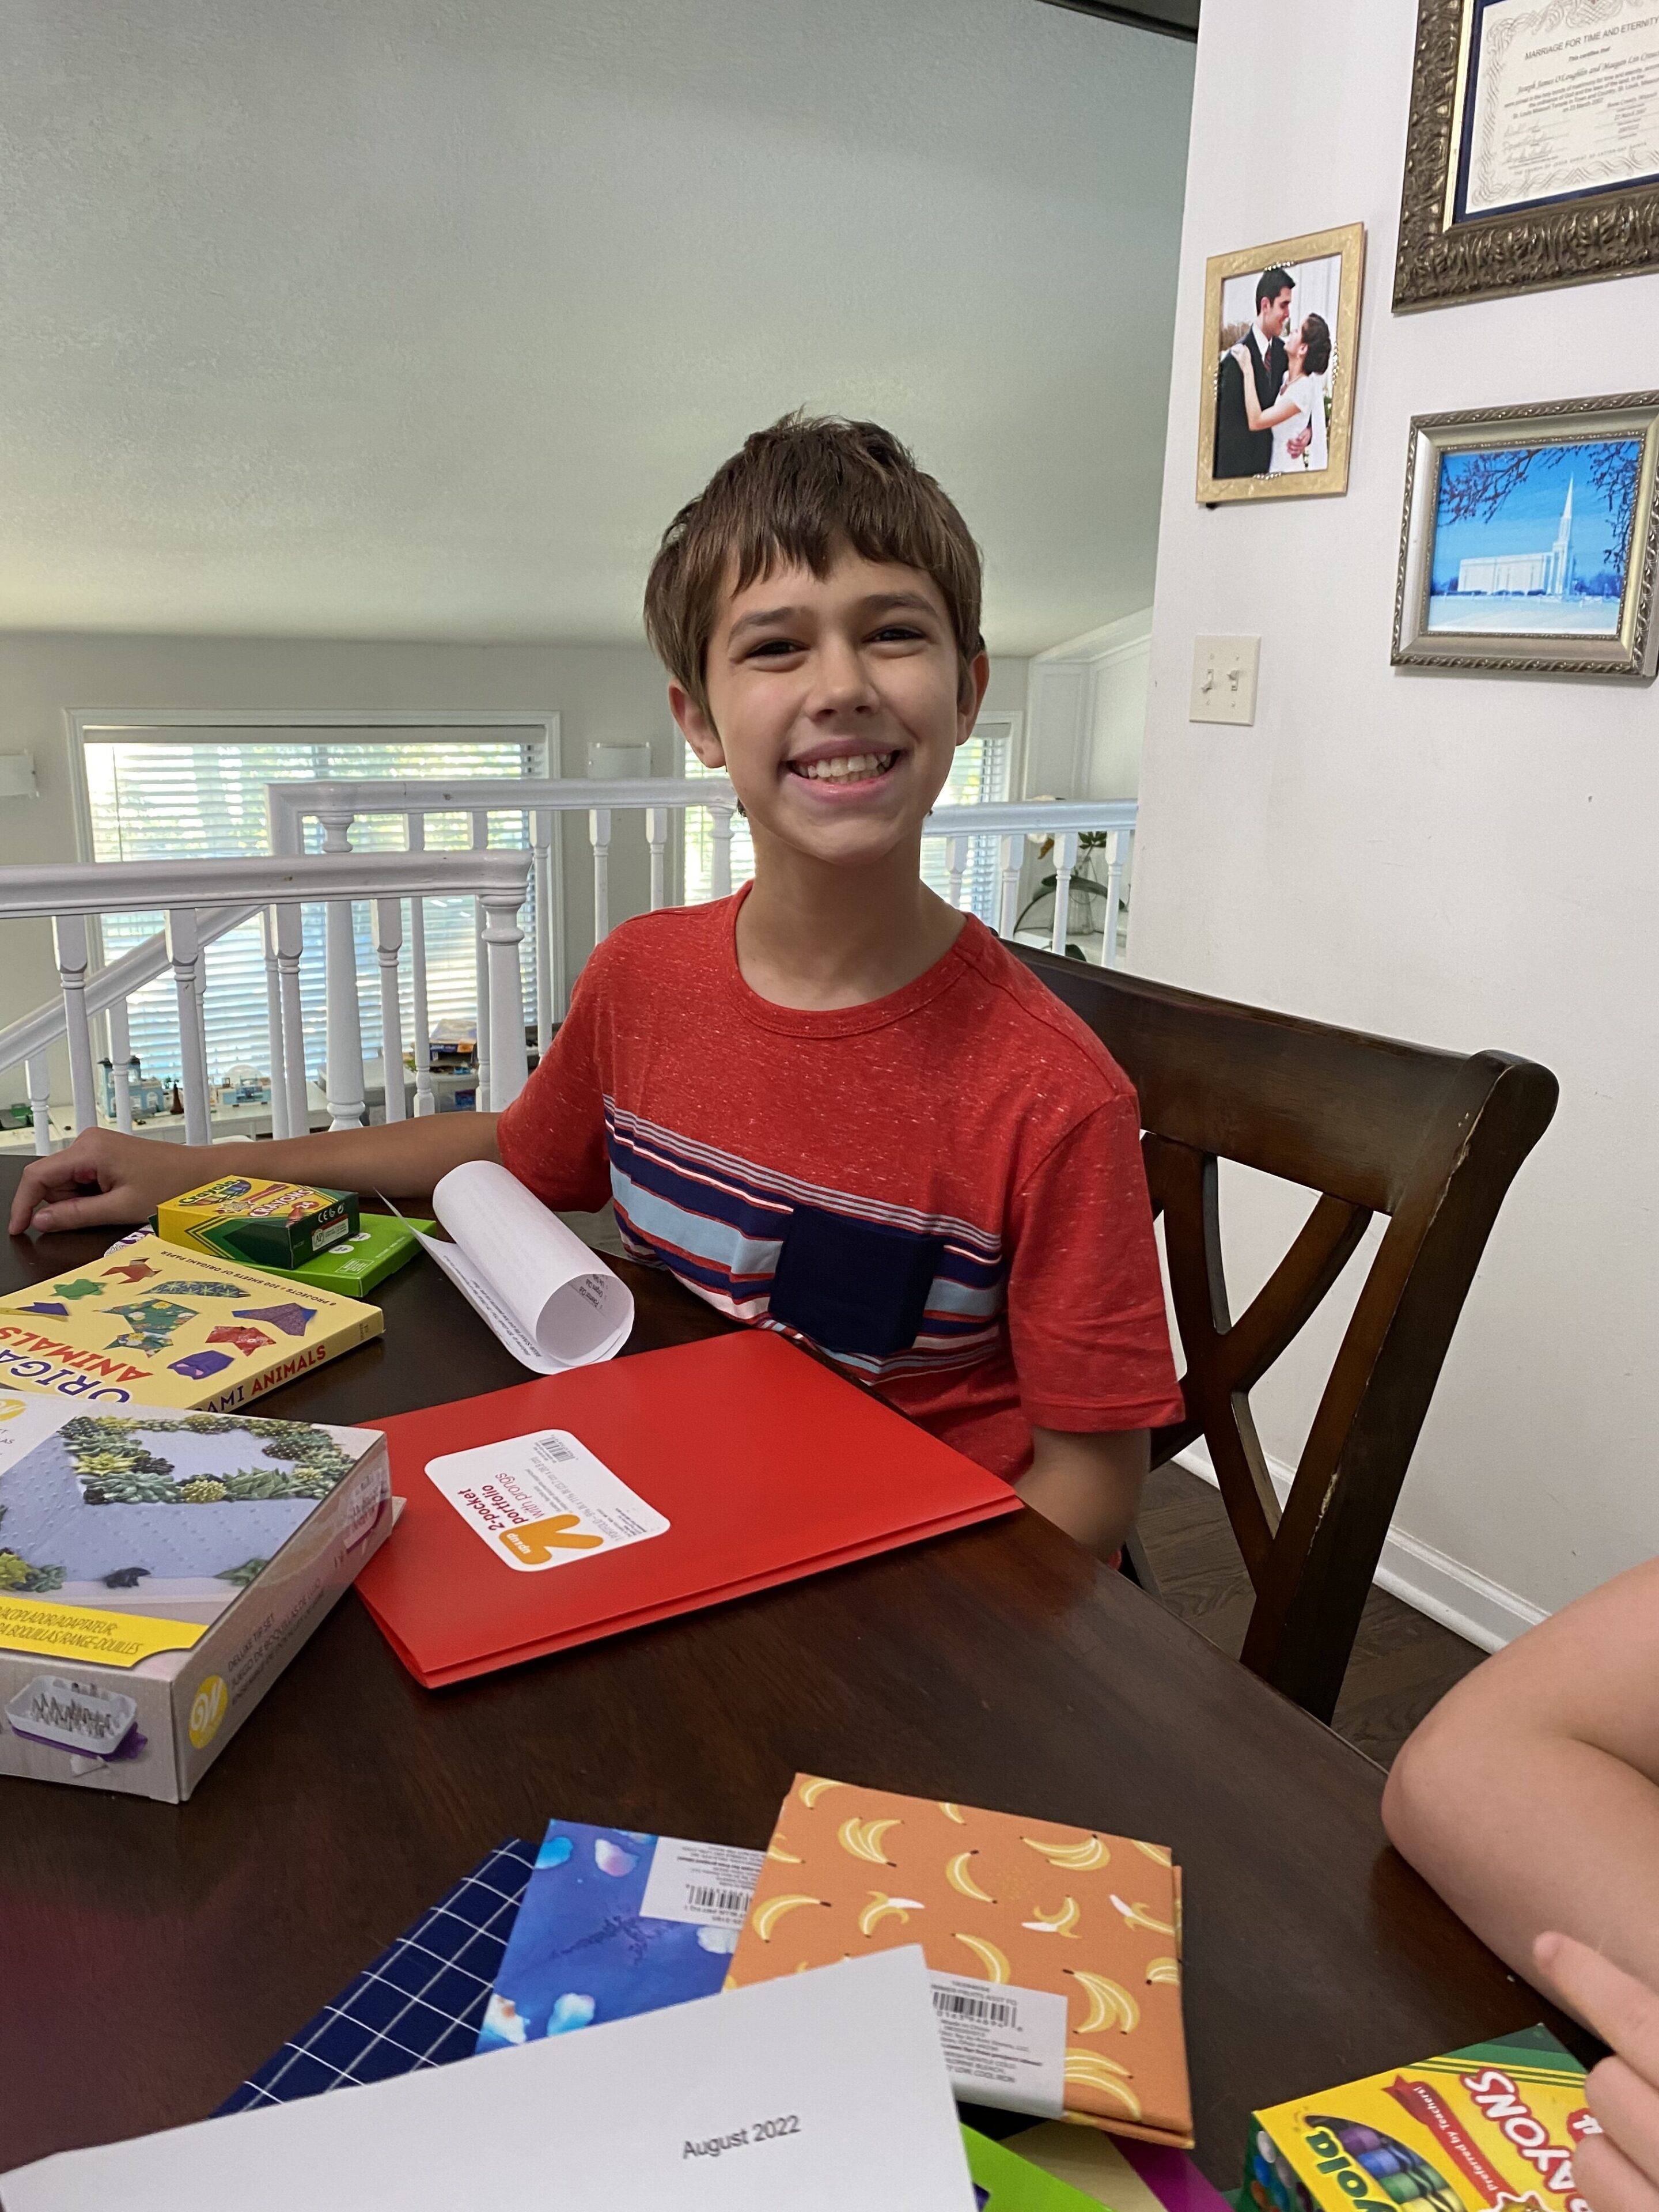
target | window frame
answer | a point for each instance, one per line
(84, 725)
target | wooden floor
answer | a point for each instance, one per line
(1402, 1663)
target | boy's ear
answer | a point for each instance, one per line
(978, 675)
(695, 726)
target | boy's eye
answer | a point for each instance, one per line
(903, 631)
(770, 647)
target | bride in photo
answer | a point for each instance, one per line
(1297, 417)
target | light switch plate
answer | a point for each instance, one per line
(1223, 679)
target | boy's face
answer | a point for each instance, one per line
(836, 705)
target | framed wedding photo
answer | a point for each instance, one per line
(1530, 538)
(1531, 159)
(1281, 331)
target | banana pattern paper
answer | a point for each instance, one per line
(1018, 1903)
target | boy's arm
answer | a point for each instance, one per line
(1089, 1484)
(1529, 1797)
(107, 1177)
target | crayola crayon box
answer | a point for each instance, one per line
(272, 1224)
(1494, 2125)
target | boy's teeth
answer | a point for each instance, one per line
(842, 771)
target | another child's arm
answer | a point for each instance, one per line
(1088, 1484)
(1529, 1797)
(106, 1178)
(1617, 2171)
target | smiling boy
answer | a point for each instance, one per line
(831, 1105)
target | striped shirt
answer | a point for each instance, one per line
(941, 1189)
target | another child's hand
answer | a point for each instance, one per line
(1617, 2171)
(105, 1177)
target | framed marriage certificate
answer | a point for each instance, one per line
(1533, 156)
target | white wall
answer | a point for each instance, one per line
(1464, 861)
(614, 694)
(1086, 713)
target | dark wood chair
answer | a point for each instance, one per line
(1431, 1140)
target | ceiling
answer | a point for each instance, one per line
(419, 321)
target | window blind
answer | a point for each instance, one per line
(980, 774)
(205, 797)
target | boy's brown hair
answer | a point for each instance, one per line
(798, 493)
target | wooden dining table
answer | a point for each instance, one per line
(153, 1955)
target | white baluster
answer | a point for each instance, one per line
(424, 1101)
(1008, 908)
(290, 945)
(598, 831)
(120, 1055)
(958, 849)
(541, 862)
(388, 943)
(720, 864)
(185, 952)
(480, 817)
(346, 1106)
(1065, 868)
(38, 1073)
(279, 1124)
(1121, 840)
(656, 835)
(69, 936)
(501, 938)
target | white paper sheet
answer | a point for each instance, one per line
(821, 2091)
(553, 1302)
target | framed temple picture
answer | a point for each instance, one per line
(1281, 328)
(1532, 155)
(1529, 539)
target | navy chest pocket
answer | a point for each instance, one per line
(853, 1286)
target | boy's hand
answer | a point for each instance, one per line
(105, 1177)
(1618, 2170)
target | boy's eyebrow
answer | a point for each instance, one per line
(878, 602)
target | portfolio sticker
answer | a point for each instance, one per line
(542, 1500)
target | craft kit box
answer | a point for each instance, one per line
(1496, 2124)
(270, 1224)
(158, 1569)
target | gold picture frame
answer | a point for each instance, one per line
(1229, 279)
(1467, 595)
(1455, 246)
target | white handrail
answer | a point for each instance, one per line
(111, 986)
(198, 897)
(337, 802)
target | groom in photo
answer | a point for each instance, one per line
(1240, 451)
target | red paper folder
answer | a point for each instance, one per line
(766, 1465)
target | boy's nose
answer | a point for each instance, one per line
(842, 680)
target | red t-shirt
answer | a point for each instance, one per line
(942, 1189)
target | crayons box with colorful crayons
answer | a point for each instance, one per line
(271, 1225)
(1496, 2124)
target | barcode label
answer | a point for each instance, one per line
(1003, 2043)
(996, 2012)
(708, 1885)
(722, 1901)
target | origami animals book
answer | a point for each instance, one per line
(148, 1324)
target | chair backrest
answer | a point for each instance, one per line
(1430, 1139)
